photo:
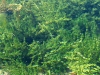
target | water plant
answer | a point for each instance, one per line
(46, 37)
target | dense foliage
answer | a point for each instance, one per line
(51, 36)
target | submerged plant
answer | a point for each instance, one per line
(49, 37)
(9, 9)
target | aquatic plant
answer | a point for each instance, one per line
(8, 8)
(49, 38)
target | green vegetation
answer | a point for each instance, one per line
(51, 37)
